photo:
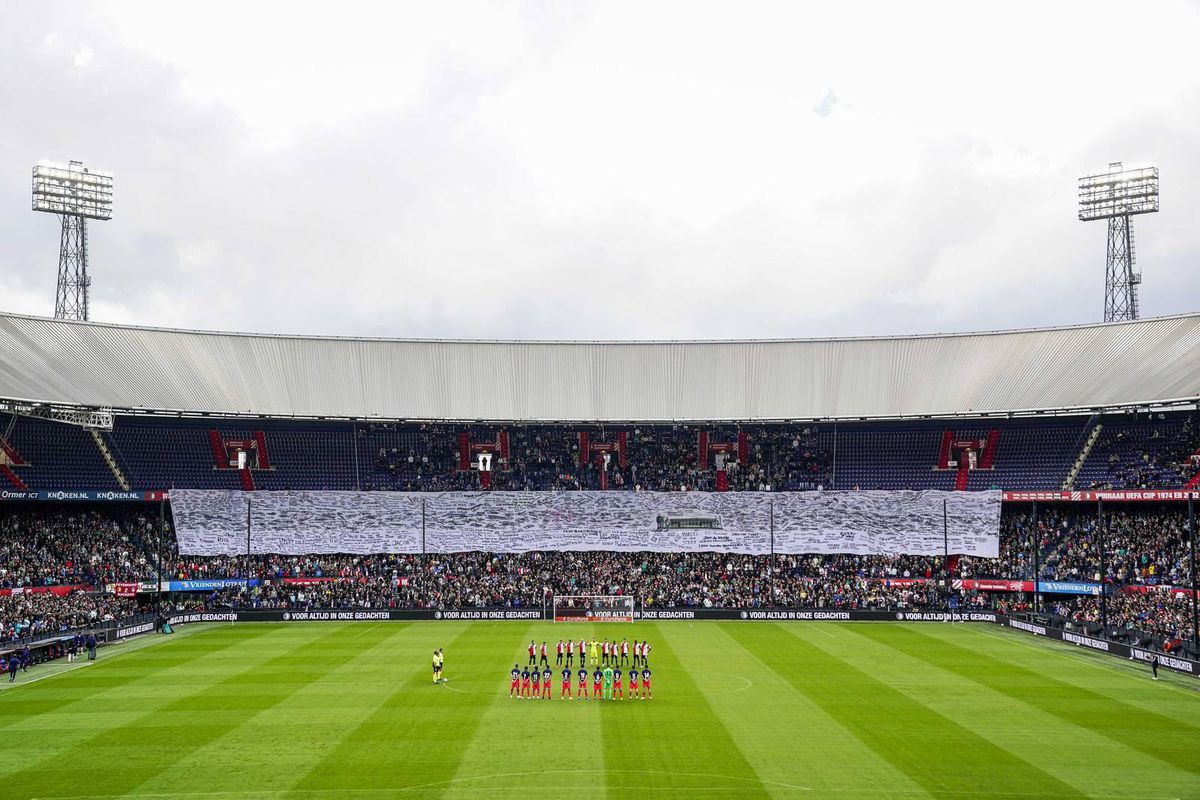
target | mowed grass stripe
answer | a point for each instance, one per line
(468, 740)
(943, 757)
(523, 748)
(414, 738)
(49, 732)
(693, 755)
(1083, 667)
(108, 652)
(757, 705)
(165, 735)
(103, 687)
(267, 750)
(1152, 734)
(1081, 757)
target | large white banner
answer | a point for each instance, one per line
(214, 522)
(888, 522)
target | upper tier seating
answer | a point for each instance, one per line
(1023, 453)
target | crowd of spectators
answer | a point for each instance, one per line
(29, 615)
(1145, 545)
(1140, 547)
(478, 579)
(546, 457)
(1139, 454)
(1155, 454)
(1162, 614)
(73, 547)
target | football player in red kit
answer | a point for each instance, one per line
(524, 683)
(537, 683)
(633, 683)
(566, 684)
(582, 691)
(514, 689)
(597, 676)
(547, 676)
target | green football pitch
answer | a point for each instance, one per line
(348, 710)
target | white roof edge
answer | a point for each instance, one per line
(1084, 368)
(417, 340)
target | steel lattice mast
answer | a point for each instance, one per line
(76, 195)
(1116, 196)
(71, 300)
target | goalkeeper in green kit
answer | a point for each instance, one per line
(608, 683)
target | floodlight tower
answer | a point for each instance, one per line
(1116, 196)
(76, 194)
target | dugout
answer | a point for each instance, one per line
(40, 650)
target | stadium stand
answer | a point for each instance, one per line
(80, 551)
(1144, 452)
(964, 412)
(156, 453)
(53, 455)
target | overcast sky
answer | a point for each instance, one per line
(610, 170)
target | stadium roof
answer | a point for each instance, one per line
(1144, 363)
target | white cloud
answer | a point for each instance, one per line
(82, 58)
(616, 170)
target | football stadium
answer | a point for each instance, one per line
(272, 565)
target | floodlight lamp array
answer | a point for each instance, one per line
(73, 190)
(1118, 193)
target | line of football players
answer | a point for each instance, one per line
(606, 684)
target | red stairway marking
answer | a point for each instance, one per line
(464, 451)
(264, 460)
(944, 452)
(989, 451)
(7, 472)
(964, 474)
(13, 456)
(218, 449)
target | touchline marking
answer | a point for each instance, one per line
(364, 630)
(54, 674)
(1102, 660)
